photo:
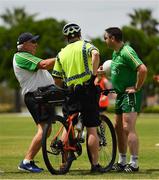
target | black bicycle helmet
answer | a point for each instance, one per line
(71, 28)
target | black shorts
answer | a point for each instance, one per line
(84, 100)
(40, 111)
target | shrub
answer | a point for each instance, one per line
(151, 109)
(4, 108)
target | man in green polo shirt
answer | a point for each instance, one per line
(31, 72)
(76, 66)
(128, 74)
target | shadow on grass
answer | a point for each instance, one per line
(82, 172)
(87, 172)
(75, 172)
(152, 170)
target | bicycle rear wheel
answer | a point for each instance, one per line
(107, 144)
(56, 158)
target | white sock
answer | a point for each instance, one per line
(26, 161)
(122, 159)
(134, 161)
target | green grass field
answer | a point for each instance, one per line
(16, 132)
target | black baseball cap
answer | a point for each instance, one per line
(24, 37)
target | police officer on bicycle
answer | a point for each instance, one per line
(76, 65)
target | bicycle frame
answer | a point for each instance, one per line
(70, 130)
(70, 119)
(63, 146)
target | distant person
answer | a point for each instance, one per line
(103, 83)
(128, 74)
(156, 78)
(32, 73)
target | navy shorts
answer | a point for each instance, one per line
(40, 111)
(84, 100)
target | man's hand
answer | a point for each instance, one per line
(100, 70)
(130, 90)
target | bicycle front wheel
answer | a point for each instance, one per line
(107, 144)
(54, 154)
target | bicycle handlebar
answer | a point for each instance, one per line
(107, 91)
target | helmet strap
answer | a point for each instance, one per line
(73, 39)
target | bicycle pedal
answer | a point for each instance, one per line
(102, 143)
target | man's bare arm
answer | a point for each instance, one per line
(47, 64)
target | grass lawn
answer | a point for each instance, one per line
(16, 132)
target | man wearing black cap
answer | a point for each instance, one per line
(32, 73)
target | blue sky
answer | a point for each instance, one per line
(92, 15)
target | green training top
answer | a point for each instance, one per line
(27, 61)
(74, 63)
(124, 68)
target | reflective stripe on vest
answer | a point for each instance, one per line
(85, 60)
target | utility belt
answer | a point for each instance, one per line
(87, 85)
(73, 88)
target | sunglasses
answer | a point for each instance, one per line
(33, 41)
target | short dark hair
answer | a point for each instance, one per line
(72, 36)
(116, 32)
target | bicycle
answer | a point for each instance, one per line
(59, 152)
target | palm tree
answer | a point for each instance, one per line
(142, 19)
(15, 17)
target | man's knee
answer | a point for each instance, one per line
(118, 127)
(126, 129)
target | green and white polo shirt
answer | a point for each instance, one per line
(27, 73)
(124, 68)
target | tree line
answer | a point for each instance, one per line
(142, 34)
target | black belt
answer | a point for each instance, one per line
(72, 86)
